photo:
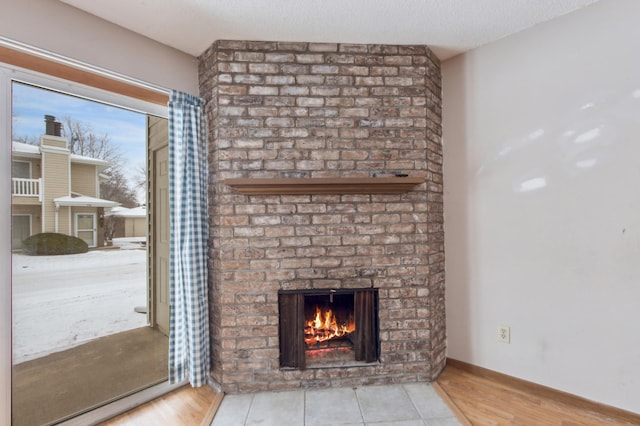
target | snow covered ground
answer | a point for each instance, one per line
(63, 301)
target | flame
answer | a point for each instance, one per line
(324, 326)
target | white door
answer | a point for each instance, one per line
(86, 228)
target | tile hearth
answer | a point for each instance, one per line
(415, 404)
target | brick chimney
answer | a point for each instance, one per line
(52, 127)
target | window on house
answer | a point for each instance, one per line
(21, 169)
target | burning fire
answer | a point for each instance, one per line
(324, 326)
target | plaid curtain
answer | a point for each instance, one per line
(189, 313)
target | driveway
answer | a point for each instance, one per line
(63, 301)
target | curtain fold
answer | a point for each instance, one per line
(189, 312)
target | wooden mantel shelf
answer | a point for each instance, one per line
(310, 186)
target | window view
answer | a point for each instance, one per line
(82, 321)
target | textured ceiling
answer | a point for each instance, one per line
(449, 27)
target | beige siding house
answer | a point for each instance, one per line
(56, 191)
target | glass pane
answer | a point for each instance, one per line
(81, 333)
(86, 236)
(85, 222)
(20, 169)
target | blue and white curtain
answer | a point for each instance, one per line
(189, 314)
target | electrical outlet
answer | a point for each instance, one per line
(504, 334)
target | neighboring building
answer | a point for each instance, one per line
(54, 190)
(128, 223)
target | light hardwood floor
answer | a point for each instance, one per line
(477, 396)
(484, 397)
(186, 406)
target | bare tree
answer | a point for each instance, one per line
(116, 188)
(84, 141)
(140, 179)
(29, 140)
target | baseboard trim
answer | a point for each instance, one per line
(546, 392)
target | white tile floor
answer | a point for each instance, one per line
(414, 404)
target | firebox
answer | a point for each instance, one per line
(325, 328)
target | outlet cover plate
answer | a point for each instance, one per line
(504, 334)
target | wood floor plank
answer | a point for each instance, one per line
(484, 398)
(186, 406)
(456, 410)
(213, 408)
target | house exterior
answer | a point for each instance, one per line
(54, 190)
(128, 223)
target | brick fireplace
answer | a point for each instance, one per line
(321, 133)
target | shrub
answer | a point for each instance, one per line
(50, 243)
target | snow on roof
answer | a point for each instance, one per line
(24, 148)
(125, 212)
(34, 150)
(88, 160)
(83, 200)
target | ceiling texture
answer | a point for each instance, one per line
(449, 27)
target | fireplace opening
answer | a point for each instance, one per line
(328, 328)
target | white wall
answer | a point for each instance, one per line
(65, 30)
(542, 204)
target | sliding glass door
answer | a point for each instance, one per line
(82, 301)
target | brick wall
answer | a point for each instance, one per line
(324, 110)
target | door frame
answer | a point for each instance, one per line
(5, 251)
(94, 227)
(154, 147)
(8, 74)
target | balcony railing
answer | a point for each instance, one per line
(27, 188)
